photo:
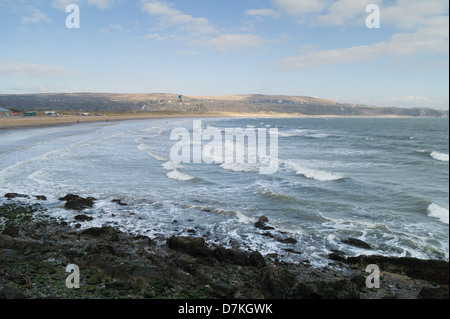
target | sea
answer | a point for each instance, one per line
(384, 181)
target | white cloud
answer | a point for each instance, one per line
(194, 31)
(403, 44)
(156, 37)
(228, 42)
(103, 4)
(13, 68)
(263, 13)
(172, 17)
(344, 11)
(35, 16)
(62, 4)
(413, 14)
(300, 6)
(427, 23)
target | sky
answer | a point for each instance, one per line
(317, 48)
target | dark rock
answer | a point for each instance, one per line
(337, 257)
(194, 246)
(340, 289)
(76, 202)
(261, 223)
(191, 231)
(231, 256)
(277, 283)
(118, 285)
(255, 259)
(223, 291)
(357, 243)
(436, 271)
(15, 195)
(83, 218)
(119, 202)
(292, 251)
(11, 230)
(105, 233)
(40, 197)
(7, 292)
(434, 293)
(289, 241)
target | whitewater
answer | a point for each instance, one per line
(382, 181)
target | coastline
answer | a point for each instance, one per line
(36, 249)
(7, 123)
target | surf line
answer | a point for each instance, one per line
(227, 148)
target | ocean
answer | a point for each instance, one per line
(380, 180)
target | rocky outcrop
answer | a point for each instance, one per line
(262, 223)
(15, 195)
(196, 247)
(34, 254)
(104, 233)
(75, 202)
(357, 243)
(436, 271)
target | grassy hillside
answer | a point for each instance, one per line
(157, 102)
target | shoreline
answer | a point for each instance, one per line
(9, 123)
(36, 248)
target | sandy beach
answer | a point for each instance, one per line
(42, 121)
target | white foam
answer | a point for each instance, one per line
(169, 166)
(177, 175)
(157, 157)
(439, 156)
(237, 167)
(310, 173)
(436, 211)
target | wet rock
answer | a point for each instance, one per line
(340, 289)
(337, 256)
(231, 256)
(15, 195)
(292, 251)
(223, 291)
(357, 243)
(75, 202)
(105, 233)
(434, 293)
(436, 271)
(83, 218)
(118, 285)
(119, 202)
(289, 241)
(194, 246)
(261, 223)
(40, 197)
(255, 259)
(277, 283)
(7, 292)
(11, 230)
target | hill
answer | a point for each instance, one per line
(157, 102)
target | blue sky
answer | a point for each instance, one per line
(319, 48)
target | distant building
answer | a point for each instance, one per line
(5, 112)
(27, 114)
